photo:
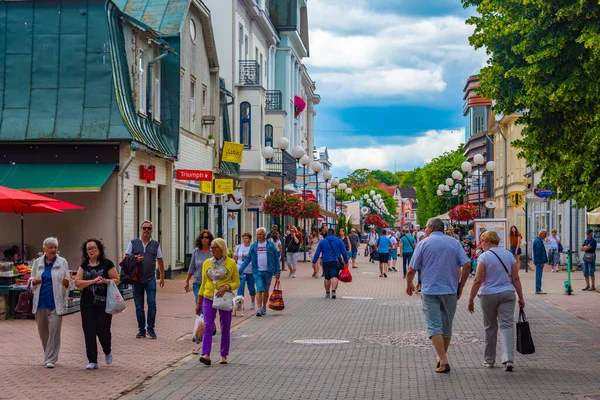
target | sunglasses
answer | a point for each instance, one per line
(205, 237)
(146, 228)
(92, 248)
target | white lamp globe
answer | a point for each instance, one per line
(490, 166)
(467, 181)
(458, 186)
(457, 175)
(378, 196)
(335, 181)
(327, 175)
(369, 201)
(441, 187)
(268, 152)
(332, 190)
(446, 188)
(304, 160)
(454, 192)
(466, 166)
(365, 196)
(283, 143)
(372, 193)
(449, 182)
(316, 167)
(349, 191)
(298, 152)
(343, 186)
(478, 159)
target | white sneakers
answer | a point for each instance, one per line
(50, 365)
(92, 366)
(252, 306)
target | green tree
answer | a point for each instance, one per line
(388, 200)
(386, 177)
(429, 177)
(360, 178)
(407, 178)
(544, 62)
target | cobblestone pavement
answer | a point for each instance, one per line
(386, 353)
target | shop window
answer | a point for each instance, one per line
(269, 135)
(245, 124)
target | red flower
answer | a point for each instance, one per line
(464, 212)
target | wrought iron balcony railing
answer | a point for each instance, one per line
(273, 166)
(249, 72)
(273, 100)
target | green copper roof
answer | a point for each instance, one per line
(64, 77)
(163, 16)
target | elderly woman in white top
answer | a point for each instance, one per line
(495, 282)
(51, 281)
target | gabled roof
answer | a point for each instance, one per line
(408, 192)
(389, 189)
(164, 16)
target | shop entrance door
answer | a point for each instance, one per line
(234, 228)
(196, 220)
(218, 233)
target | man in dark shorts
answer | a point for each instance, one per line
(330, 248)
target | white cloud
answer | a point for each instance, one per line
(424, 148)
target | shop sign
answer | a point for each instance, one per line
(193, 175)
(206, 187)
(148, 173)
(517, 199)
(255, 202)
(232, 152)
(223, 186)
(544, 193)
(234, 201)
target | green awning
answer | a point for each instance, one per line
(55, 177)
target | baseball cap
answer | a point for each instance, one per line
(589, 231)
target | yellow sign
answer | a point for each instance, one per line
(223, 186)
(517, 199)
(232, 152)
(206, 186)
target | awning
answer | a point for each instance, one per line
(594, 217)
(55, 177)
(329, 214)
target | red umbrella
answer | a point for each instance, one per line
(12, 197)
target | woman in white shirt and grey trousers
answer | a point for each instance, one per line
(496, 280)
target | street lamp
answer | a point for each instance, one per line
(335, 182)
(316, 168)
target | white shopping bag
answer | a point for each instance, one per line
(115, 303)
(198, 329)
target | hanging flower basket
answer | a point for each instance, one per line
(299, 105)
(278, 204)
(464, 212)
(374, 219)
(309, 210)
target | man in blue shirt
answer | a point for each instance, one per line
(589, 260)
(331, 248)
(383, 247)
(540, 257)
(408, 248)
(444, 269)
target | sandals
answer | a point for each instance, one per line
(442, 369)
(205, 361)
(223, 362)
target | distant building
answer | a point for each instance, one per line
(406, 209)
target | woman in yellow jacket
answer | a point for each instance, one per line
(219, 275)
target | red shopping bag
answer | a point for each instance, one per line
(345, 275)
(276, 299)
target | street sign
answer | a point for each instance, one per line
(544, 192)
(517, 199)
(535, 200)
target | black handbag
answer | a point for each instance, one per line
(25, 303)
(524, 340)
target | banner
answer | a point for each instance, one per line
(223, 186)
(206, 187)
(193, 175)
(232, 152)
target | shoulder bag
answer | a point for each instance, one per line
(25, 304)
(338, 258)
(502, 262)
(222, 303)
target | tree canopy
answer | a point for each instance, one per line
(544, 62)
(360, 178)
(386, 177)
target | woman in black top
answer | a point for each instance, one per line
(292, 246)
(93, 277)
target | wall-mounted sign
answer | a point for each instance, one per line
(544, 193)
(232, 152)
(147, 173)
(223, 186)
(206, 187)
(517, 199)
(255, 202)
(490, 204)
(234, 201)
(193, 175)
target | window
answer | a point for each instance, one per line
(193, 31)
(263, 69)
(142, 82)
(204, 100)
(156, 94)
(246, 49)
(269, 135)
(193, 105)
(181, 102)
(245, 120)
(478, 120)
(241, 42)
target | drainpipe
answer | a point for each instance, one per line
(151, 78)
(120, 205)
(505, 167)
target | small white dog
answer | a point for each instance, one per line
(238, 306)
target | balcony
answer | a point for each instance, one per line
(273, 102)
(249, 72)
(273, 166)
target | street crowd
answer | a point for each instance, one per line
(444, 259)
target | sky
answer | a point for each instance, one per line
(391, 75)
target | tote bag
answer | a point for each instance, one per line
(524, 339)
(25, 303)
(276, 299)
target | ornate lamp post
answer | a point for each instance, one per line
(304, 160)
(327, 176)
